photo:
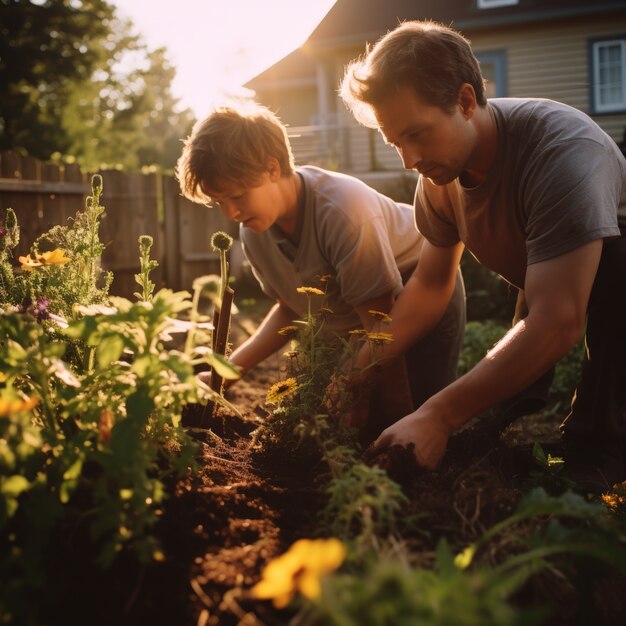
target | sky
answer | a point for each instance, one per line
(218, 45)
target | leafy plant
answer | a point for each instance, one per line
(91, 401)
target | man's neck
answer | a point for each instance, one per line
(486, 149)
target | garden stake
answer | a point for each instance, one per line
(221, 243)
(221, 323)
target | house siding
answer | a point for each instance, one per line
(553, 62)
(546, 60)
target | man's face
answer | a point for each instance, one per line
(253, 206)
(436, 143)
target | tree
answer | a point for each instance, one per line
(79, 82)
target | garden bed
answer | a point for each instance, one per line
(223, 523)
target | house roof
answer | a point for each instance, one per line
(354, 22)
(297, 68)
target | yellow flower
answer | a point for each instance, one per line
(313, 291)
(291, 354)
(2, 377)
(288, 330)
(54, 257)
(9, 406)
(380, 338)
(380, 316)
(299, 569)
(281, 390)
(358, 332)
(325, 278)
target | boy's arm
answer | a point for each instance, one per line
(557, 293)
(266, 340)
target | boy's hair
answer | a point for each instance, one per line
(232, 146)
(429, 57)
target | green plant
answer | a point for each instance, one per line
(386, 590)
(479, 338)
(88, 445)
(146, 265)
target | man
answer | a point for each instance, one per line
(533, 188)
(300, 224)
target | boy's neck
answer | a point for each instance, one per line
(290, 223)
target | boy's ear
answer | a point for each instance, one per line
(273, 169)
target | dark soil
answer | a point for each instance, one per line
(222, 524)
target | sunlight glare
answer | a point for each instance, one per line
(217, 46)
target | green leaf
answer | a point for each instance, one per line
(13, 486)
(109, 349)
(222, 366)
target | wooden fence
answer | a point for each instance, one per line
(43, 195)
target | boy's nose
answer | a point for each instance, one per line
(230, 210)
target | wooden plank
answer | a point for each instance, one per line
(131, 210)
(171, 195)
(31, 186)
(28, 206)
(197, 223)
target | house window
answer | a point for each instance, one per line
(608, 75)
(493, 69)
(490, 4)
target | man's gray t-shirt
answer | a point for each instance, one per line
(558, 182)
(364, 240)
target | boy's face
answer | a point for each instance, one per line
(256, 206)
(430, 140)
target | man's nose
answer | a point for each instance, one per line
(410, 157)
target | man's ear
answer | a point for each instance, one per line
(467, 100)
(273, 169)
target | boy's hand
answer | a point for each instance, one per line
(205, 377)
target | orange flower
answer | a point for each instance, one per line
(54, 257)
(9, 406)
(105, 424)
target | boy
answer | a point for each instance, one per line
(300, 224)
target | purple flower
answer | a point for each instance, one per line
(38, 309)
(3, 231)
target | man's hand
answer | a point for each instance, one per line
(425, 430)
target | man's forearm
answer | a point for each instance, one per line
(528, 350)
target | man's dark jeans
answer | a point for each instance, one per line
(599, 405)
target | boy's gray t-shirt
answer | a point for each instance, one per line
(364, 240)
(558, 182)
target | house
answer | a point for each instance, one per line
(573, 51)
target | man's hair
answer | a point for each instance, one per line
(429, 57)
(232, 146)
